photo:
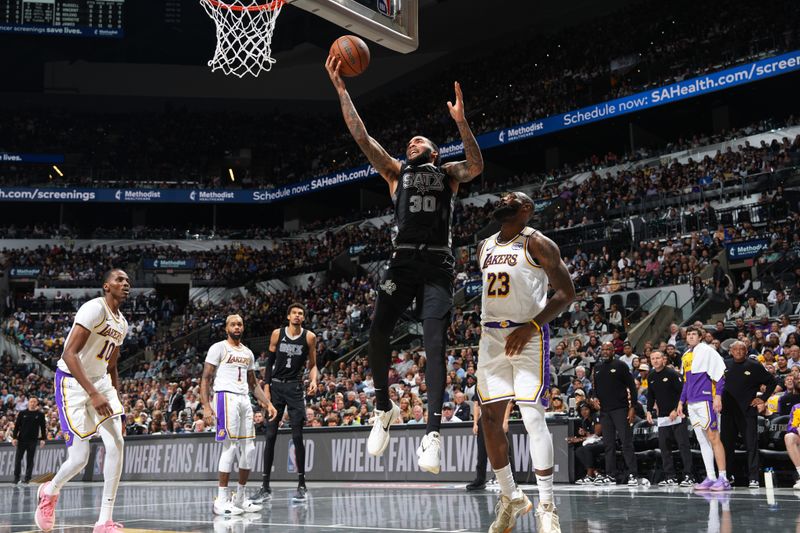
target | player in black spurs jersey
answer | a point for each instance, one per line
(290, 348)
(421, 267)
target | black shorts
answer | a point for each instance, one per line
(289, 395)
(425, 275)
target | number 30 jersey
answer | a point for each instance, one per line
(232, 364)
(423, 206)
(107, 331)
(514, 285)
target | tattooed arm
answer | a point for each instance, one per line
(464, 171)
(387, 166)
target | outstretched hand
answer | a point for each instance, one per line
(332, 65)
(457, 110)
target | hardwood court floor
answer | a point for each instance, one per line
(414, 507)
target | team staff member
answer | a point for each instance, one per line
(30, 424)
(664, 392)
(614, 386)
(743, 379)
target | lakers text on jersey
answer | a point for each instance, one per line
(107, 331)
(514, 292)
(232, 406)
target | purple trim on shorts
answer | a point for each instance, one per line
(713, 424)
(222, 433)
(69, 436)
(543, 397)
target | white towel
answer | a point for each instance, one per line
(707, 359)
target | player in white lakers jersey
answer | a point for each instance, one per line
(518, 265)
(86, 396)
(231, 366)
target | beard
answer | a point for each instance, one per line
(504, 213)
(423, 157)
(235, 336)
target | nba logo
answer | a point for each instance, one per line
(389, 8)
(291, 460)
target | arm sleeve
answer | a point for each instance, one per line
(270, 364)
(91, 314)
(214, 356)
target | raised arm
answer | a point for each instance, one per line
(464, 171)
(387, 166)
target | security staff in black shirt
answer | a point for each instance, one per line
(743, 380)
(664, 385)
(290, 348)
(29, 428)
(614, 386)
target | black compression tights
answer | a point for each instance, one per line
(434, 337)
(269, 450)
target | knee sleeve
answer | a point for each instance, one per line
(227, 456)
(247, 452)
(541, 443)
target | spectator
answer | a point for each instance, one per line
(782, 306)
(735, 311)
(755, 310)
(447, 413)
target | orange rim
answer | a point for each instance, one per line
(269, 6)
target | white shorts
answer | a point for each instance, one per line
(523, 377)
(78, 418)
(234, 414)
(702, 415)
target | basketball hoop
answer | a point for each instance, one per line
(244, 35)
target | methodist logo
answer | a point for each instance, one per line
(193, 196)
(118, 195)
(502, 136)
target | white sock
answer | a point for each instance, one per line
(707, 452)
(723, 474)
(545, 485)
(505, 478)
(222, 493)
(798, 471)
(241, 491)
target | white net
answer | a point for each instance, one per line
(244, 35)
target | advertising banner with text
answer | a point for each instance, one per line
(332, 454)
(700, 85)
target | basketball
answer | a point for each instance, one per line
(354, 55)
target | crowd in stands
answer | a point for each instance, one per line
(542, 75)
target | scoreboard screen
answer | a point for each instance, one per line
(82, 18)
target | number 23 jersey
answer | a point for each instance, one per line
(514, 285)
(232, 364)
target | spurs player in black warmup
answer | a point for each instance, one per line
(290, 348)
(421, 267)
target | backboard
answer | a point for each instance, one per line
(390, 23)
